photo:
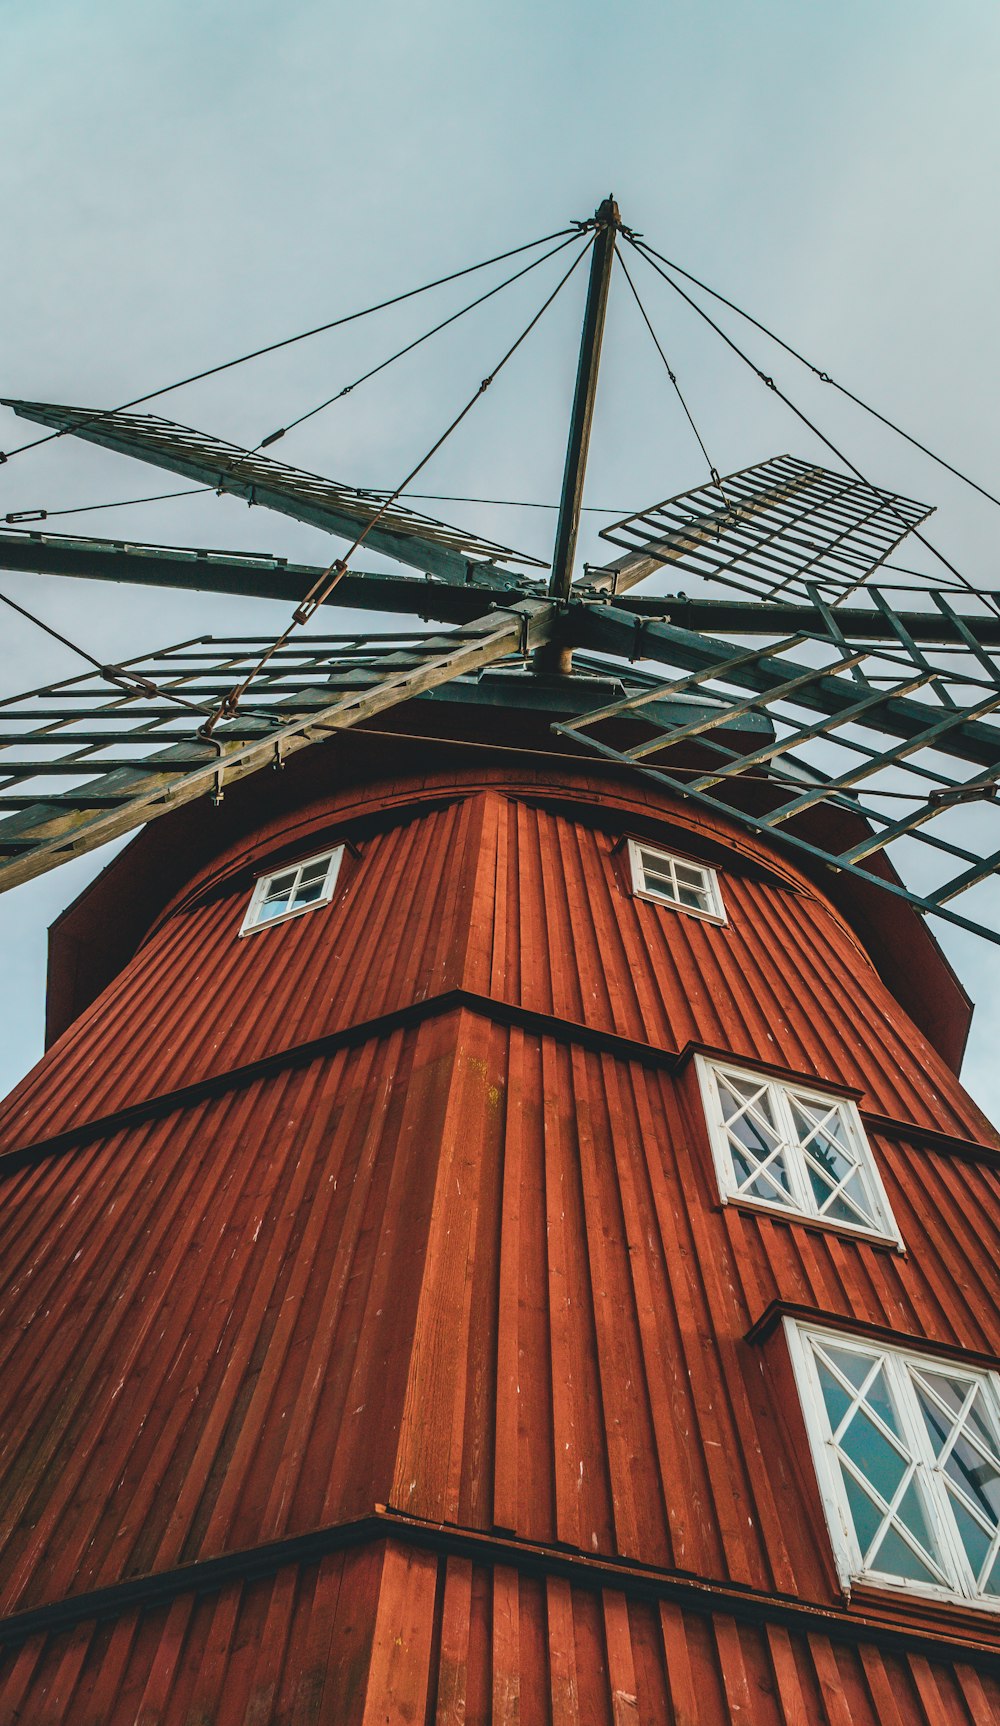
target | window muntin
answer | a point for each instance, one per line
(289, 891)
(675, 881)
(798, 1150)
(907, 1453)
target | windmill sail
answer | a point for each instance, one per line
(897, 733)
(773, 530)
(98, 751)
(401, 533)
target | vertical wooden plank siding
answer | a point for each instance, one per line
(409, 1203)
(393, 1636)
(498, 895)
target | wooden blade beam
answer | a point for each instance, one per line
(250, 575)
(39, 837)
(770, 617)
(401, 533)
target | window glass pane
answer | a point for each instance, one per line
(854, 1365)
(293, 889)
(975, 1538)
(748, 1113)
(735, 1091)
(770, 1184)
(976, 1477)
(849, 1205)
(870, 1451)
(877, 1397)
(826, 1148)
(750, 1133)
(279, 886)
(839, 1211)
(938, 1423)
(275, 907)
(952, 1392)
(813, 1152)
(316, 870)
(307, 892)
(657, 868)
(836, 1397)
(829, 1158)
(817, 1116)
(895, 1557)
(884, 1467)
(979, 1426)
(971, 1465)
(828, 1165)
(754, 1142)
(992, 1584)
(910, 1512)
(865, 1514)
(692, 888)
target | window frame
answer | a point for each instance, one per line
(717, 913)
(934, 1497)
(334, 856)
(803, 1207)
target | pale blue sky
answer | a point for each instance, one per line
(183, 181)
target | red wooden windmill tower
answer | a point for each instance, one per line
(497, 1234)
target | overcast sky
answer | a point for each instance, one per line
(182, 182)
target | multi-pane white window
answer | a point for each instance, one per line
(907, 1453)
(289, 891)
(675, 881)
(794, 1149)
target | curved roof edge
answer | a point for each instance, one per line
(97, 934)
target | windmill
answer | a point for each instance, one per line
(802, 716)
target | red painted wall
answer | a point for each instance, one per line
(465, 1263)
(481, 1644)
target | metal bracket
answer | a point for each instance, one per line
(522, 620)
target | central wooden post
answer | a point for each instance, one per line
(606, 222)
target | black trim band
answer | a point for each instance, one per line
(434, 1006)
(748, 1605)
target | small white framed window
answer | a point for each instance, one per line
(675, 881)
(907, 1454)
(788, 1148)
(288, 892)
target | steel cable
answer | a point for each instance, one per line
(304, 335)
(712, 469)
(16, 517)
(408, 349)
(804, 418)
(824, 376)
(334, 572)
(129, 681)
